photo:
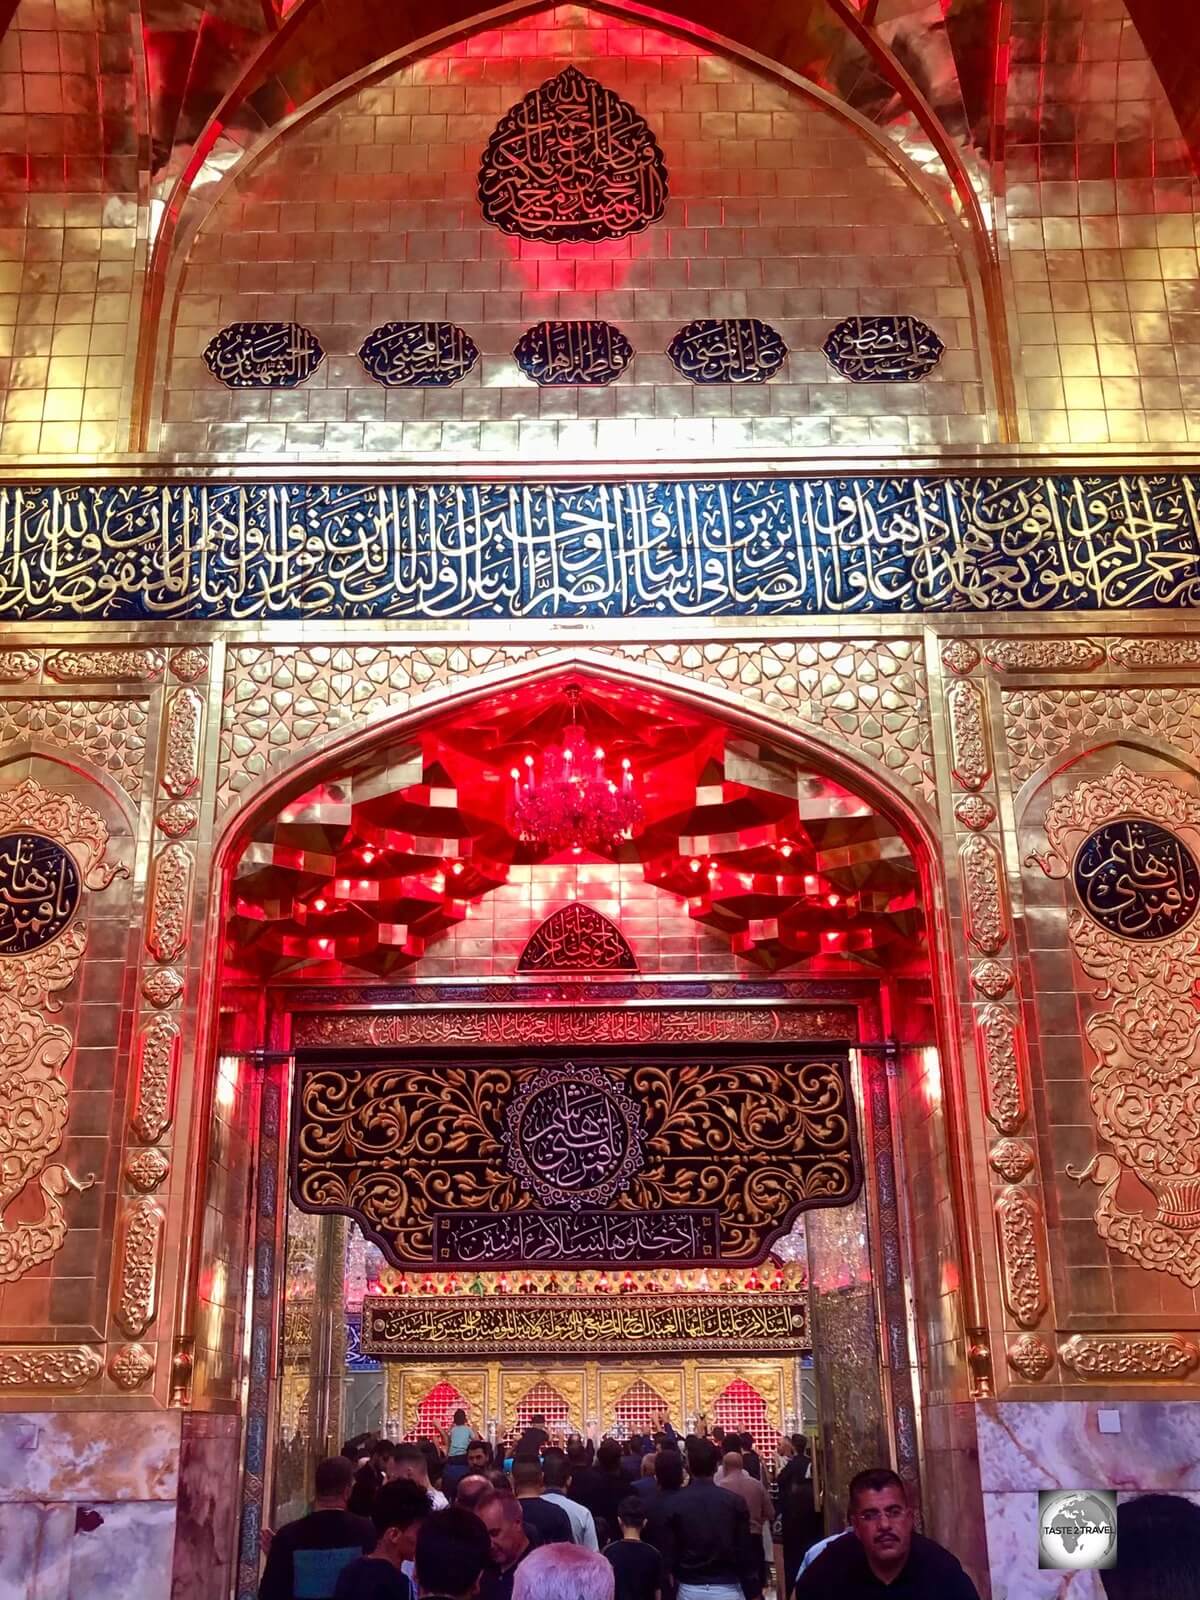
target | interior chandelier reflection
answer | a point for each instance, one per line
(571, 802)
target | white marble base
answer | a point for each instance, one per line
(79, 1455)
(108, 1551)
(1026, 1446)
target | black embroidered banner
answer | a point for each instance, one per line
(464, 1325)
(661, 1157)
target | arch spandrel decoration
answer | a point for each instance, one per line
(1127, 843)
(577, 938)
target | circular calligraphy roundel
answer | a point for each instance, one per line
(574, 1137)
(39, 891)
(1137, 879)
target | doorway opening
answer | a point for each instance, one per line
(505, 1067)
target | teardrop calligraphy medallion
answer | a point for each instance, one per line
(572, 162)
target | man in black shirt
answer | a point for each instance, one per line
(602, 1488)
(751, 1460)
(638, 1567)
(668, 1477)
(885, 1557)
(550, 1523)
(307, 1556)
(705, 1535)
(534, 1440)
(400, 1508)
(452, 1552)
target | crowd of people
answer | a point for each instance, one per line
(657, 1519)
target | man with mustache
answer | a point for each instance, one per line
(881, 1554)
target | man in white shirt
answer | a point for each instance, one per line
(409, 1461)
(556, 1471)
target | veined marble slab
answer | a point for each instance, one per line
(87, 1456)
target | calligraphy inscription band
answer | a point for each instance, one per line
(684, 1238)
(577, 1325)
(756, 1135)
(688, 548)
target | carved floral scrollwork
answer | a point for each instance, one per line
(189, 664)
(140, 1240)
(146, 1169)
(49, 1367)
(1002, 1053)
(154, 1097)
(1044, 655)
(1144, 654)
(130, 1366)
(177, 819)
(1145, 1089)
(33, 1051)
(33, 1118)
(104, 666)
(170, 903)
(181, 757)
(984, 912)
(1031, 1357)
(992, 979)
(1012, 1159)
(1019, 1227)
(1115, 1357)
(17, 665)
(974, 812)
(970, 756)
(959, 656)
(162, 986)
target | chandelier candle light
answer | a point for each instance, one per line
(571, 802)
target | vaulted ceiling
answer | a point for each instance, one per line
(370, 867)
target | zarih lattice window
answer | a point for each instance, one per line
(741, 1409)
(637, 1410)
(543, 1400)
(436, 1410)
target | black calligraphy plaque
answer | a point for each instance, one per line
(564, 1324)
(883, 349)
(577, 938)
(418, 355)
(1137, 879)
(580, 353)
(681, 1237)
(572, 162)
(727, 350)
(756, 1134)
(39, 891)
(263, 355)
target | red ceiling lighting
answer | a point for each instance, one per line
(572, 802)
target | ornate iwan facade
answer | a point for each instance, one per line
(822, 442)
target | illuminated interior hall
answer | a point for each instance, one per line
(599, 753)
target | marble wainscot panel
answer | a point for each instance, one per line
(87, 1505)
(1134, 1447)
(204, 1546)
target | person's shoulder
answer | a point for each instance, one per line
(935, 1556)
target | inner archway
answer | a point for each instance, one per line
(762, 915)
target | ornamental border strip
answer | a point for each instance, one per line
(825, 545)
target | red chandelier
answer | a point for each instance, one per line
(571, 802)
